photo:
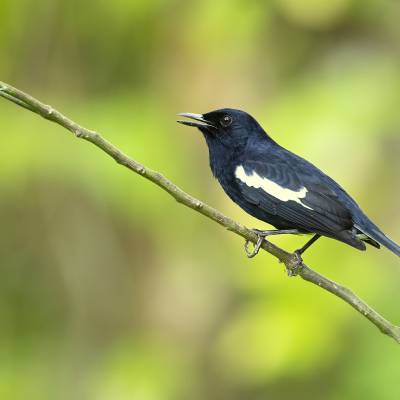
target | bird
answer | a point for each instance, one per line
(279, 187)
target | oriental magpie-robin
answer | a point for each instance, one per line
(279, 187)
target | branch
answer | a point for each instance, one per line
(290, 260)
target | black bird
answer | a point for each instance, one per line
(279, 187)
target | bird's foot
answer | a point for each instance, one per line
(261, 235)
(257, 246)
(295, 264)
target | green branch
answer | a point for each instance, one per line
(293, 265)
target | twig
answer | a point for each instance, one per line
(290, 260)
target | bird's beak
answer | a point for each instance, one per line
(201, 122)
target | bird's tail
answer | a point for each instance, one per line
(372, 231)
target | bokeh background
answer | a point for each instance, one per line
(111, 290)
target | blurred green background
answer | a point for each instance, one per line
(109, 288)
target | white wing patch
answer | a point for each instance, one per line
(258, 182)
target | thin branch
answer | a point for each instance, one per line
(290, 260)
(16, 101)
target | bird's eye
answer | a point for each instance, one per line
(226, 121)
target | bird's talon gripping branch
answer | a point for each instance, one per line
(294, 266)
(256, 249)
(261, 235)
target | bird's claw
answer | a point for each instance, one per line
(293, 265)
(261, 235)
(256, 249)
(293, 268)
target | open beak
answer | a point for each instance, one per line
(200, 121)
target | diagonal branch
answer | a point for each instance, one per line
(290, 260)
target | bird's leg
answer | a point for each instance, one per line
(277, 232)
(262, 235)
(295, 266)
(300, 251)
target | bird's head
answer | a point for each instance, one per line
(227, 127)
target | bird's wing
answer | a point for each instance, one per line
(295, 191)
